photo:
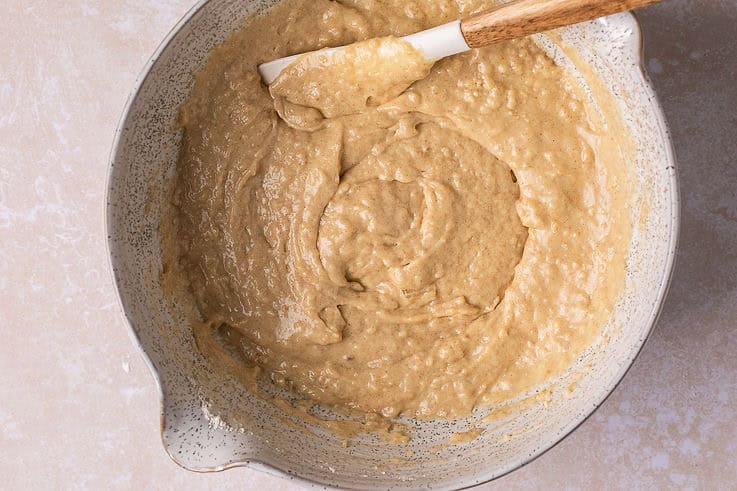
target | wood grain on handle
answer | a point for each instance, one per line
(521, 18)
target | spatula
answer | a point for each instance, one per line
(505, 21)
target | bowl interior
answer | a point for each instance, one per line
(197, 400)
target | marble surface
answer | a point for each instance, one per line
(78, 408)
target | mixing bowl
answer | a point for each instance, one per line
(209, 422)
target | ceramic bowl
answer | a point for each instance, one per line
(209, 422)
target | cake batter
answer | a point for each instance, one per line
(416, 243)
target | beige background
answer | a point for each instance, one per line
(78, 408)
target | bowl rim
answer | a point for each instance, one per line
(666, 280)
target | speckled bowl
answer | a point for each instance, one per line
(209, 422)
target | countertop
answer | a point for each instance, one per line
(78, 408)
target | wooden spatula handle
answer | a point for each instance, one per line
(524, 17)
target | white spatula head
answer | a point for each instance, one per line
(434, 44)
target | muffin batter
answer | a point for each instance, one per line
(392, 247)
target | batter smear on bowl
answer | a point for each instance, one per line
(390, 246)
